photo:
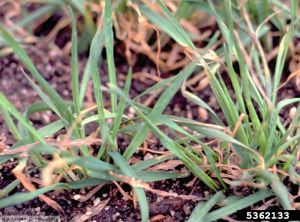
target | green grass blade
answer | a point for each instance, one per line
(282, 52)
(42, 95)
(44, 132)
(98, 96)
(176, 27)
(10, 124)
(273, 124)
(162, 84)
(94, 55)
(168, 24)
(195, 99)
(203, 208)
(237, 205)
(121, 105)
(151, 162)
(140, 193)
(78, 4)
(93, 69)
(159, 107)
(278, 188)
(92, 163)
(10, 187)
(34, 108)
(146, 176)
(74, 64)
(5, 104)
(109, 37)
(33, 16)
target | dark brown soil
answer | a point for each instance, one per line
(117, 209)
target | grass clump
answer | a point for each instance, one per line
(251, 146)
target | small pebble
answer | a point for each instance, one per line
(292, 113)
(206, 193)
(65, 92)
(76, 197)
(176, 108)
(189, 113)
(131, 113)
(203, 115)
(115, 216)
(148, 156)
(96, 201)
(297, 82)
(47, 117)
(88, 212)
(187, 210)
